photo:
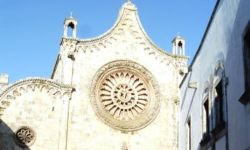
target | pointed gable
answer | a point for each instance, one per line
(127, 27)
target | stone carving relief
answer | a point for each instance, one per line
(25, 136)
(125, 95)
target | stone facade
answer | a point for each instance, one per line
(116, 91)
(41, 106)
(119, 91)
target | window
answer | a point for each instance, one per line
(218, 110)
(189, 134)
(180, 44)
(205, 123)
(219, 113)
(246, 56)
(245, 98)
(206, 117)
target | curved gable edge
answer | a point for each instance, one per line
(127, 10)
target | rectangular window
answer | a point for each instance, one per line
(206, 124)
(206, 121)
(247, 59)
(219, 112)
(245, 98)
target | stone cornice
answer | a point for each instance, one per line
(20, 87)
(128, 21)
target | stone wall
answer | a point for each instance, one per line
(122, 93)
(125, 42)
(33, 115)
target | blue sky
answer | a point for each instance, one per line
(30, 30)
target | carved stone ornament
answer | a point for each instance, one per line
(125, 95)
(25, 136)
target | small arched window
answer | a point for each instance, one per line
(180, 44)
(71, 27)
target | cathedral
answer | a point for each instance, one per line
(117, 91)
(120, 91)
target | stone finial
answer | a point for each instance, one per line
(178, 46)
(129, 5)
(71, 14)
(4, 79)
(70, 22)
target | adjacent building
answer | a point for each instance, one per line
(214, 107)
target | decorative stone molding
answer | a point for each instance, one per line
(15, 90)
(128, 21)
(25, 136)
(218, 67)
(68, 45)
(193, 85)
(125, 95)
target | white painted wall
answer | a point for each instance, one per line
(222, 42)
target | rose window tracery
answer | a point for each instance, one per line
(25, 136)
(124, 95)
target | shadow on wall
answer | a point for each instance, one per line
(14, 140)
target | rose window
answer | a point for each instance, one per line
(124, 95)
(25, 136)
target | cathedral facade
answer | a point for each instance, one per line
(118, 91)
